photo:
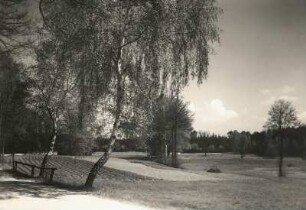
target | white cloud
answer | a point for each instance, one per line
(265, 91)
(272, 99)
(192, 107)
(302, 116)
(284, 93)
(216, 112)
(245, 110)
(288, 89)
(213, 116)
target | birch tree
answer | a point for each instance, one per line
(167, 42)
(51, 87)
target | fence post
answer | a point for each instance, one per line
(13, 159)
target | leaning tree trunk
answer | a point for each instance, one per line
(101, 162)
(119, 106)
(51, 149)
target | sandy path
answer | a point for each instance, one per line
(68, 202)
(26, 194)
(157, 173)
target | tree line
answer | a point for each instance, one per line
(262, 143)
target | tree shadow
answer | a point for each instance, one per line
(13, 185)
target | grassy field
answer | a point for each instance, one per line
(251, 165)
(250, 183)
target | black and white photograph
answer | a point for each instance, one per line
(152, 104)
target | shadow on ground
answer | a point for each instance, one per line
(13, 185)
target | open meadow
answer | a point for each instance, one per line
(250, 183)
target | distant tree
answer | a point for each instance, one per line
(244, 143)
(172, 124)
(193, 134)
(179, 121)
(240, 141)
(210, 142)
(259, 141)
(282, 115)
(204, 141)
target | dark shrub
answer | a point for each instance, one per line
(101, 144)
(75, 144)
(271, 151)
(135, 144)
(214, 170)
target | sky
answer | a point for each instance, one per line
(261, 58)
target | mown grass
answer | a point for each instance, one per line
(262, 192)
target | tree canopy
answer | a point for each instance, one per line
(282, 115)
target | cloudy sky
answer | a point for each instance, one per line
(261, 58)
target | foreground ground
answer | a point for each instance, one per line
(250, 183)
(19, 193)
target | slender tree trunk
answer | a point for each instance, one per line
(241, 154)
(2, 136)
(82, 101)
(164, 149)
(119, 106)
(1, 139)
(175, 141)
(169, 148)
(205, 147)
(281, 156)
(172, 144)
(3, 146)
(51, 149)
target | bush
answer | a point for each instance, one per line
(135, 144)
(214, 170)
(75, 144)
(101, 144)
(221, 148)
(271, 150)
(211, 148)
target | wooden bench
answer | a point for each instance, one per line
(15, 166)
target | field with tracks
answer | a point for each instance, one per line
(250, 183)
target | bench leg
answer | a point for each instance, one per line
(32, 171)
(51, 175)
